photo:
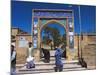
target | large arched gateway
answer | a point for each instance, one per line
(43, 17)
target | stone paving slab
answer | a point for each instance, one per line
(49, 71)
(52, 62)
(48, 67)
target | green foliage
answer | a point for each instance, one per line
(54, 35)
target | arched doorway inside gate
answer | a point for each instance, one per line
(52, 34)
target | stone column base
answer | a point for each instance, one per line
(37, 55)
(70, 55)
(69, 58)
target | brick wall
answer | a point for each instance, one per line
(89, 51)
(22, 51)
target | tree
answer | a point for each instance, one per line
(64, 39)
(54, 35)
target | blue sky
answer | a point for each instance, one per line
(21, 15)
(56, 26)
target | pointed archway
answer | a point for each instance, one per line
(64, 18)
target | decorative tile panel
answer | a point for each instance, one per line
(52, 14)
(35, 32)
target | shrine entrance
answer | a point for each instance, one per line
(52, 34)
(42, 17)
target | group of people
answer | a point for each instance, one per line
(59, 53)
(30, 60)
(45, 53)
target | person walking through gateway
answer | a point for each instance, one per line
(58, 56)
(30, 60)
(46, 55)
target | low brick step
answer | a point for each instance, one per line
(49, 68)
(49, 71)
(51, 63)
(41, 67)
(52, 58)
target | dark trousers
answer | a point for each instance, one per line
(58, 68)
(13, 71)
(46, 54)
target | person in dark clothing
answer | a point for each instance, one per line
(64, 51)
(46, 55)
(13, 60)
(64, 54)
(58, 62)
